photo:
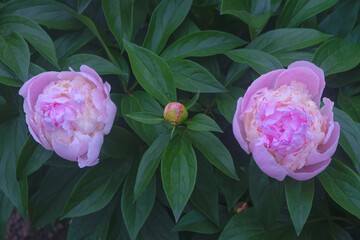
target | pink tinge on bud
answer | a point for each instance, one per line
(175, 113)
(241, 207)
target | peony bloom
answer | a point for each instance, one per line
(279, 121)
(69, 112)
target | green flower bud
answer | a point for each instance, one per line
(175, 113)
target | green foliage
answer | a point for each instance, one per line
(157, 181)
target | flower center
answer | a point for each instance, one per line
(287, 122)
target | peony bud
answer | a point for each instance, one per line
(175, 113)
(241, 207)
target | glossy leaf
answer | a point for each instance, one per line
(119, 17)
(149, 163)
(202, 122)
(96, 188)
(260, 61)
(152, 73)
(295, 12)
(33, 33)
(12, 139)
(227, 102)
(15, 54)
(337, 55)
(195, 221)
(167, 16)
(193, 77)
(342, 184)
(215, 151)
(31, 158)
(7, 77)
(146, 117)
(178, 172)
(200, 44)
(287, 58)
(299, 197)
(99, 64)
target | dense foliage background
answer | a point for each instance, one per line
(148, 184)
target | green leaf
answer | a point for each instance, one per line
(227, 102)
(205, 196)
(349, 136)
(337, 55)
(12, 138)
(287, 58)
(167, 16)
(82, 5)
(193, 77)
(15, 54)
(299, 197)
(260, 61)
(93, 226)
(201, 44)
(284, 40)
(342, 184)
(202, 122)
(33, 33)
(187, 27)
(149, 163)
(49, 13)
(31, 158)
(136, 212)
(49, 200)
(96, 188)
(350, 104)
(99, 64)
(295, 12)
(266, 195)
(140, 101)
(215, 151)
(178, 172)
(146, 117)
(121, 144)
(152, 73)
(119, 17)
(195, 221)
(68, 43)
(7, 77)
(6, 208)
(192, 101)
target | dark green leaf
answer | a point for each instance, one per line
(260, 61)
(337, 55)
(227, 102)
(152, 73)
(12, 138)
(299, 197)
(32, 157)
(187, 27)
(287, 58)
(7, 77)
(33, 33)
(136, 212)
(82, 5)
(6, 208)
(342, 184)
(295, 12)
(200, 44)
(350, 104)
(192, 101)
(195, 221)
(266, 195)
(15, 54)
(192, 77)
(215, 151)
(178, 171)
(119, 17)
(167, 16)
(49, 200)
(201, 122)
(146, 117)
(349, 136)
(149, 163)
(96, 188)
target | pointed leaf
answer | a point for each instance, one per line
(146, 117)
(202, 122)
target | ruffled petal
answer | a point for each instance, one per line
(238, 128)
(92, 156)
(266, 161)
(309, 171)
(327, 110)
(69, 152)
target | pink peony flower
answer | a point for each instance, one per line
(69, 112)
(280, 122)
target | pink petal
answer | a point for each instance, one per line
(309, 171)
(92, 156)
(266, 161)
(69, 152)
(238, 128)
(111, 111)
(318, 71)
(266, 80)
(302, 75)
(327, 110)
(91, 75)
